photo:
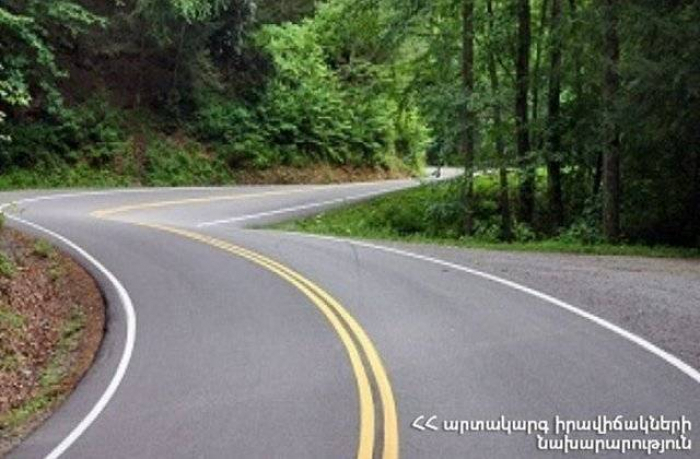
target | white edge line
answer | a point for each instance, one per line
(122, 293)
(295, 208)
(128, 307)
(636, 339)
(110, 192)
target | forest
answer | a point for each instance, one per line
(573, 119)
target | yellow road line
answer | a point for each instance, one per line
(391, 432)
(321, 300)
(329, 307)
(391, 435)
(177, 202)
(204, 200)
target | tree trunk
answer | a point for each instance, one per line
(503, 198)
(522, 77)
(535, 83)
(611, 152)
(576, 56)
(695, 200)
(468, 143)
(556, 205)
(597, 174)
(574, 51)
(141, 69)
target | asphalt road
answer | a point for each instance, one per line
(258, 344)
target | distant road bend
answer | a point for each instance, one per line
(227, 342)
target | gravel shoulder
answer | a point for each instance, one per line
(656, 298)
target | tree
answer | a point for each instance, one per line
(522, 82)
(468, 143)
(556, 206)
(535, 82)
(611, 146)
(185, 39)
(279, 11)
(494, 80)
(30, 31)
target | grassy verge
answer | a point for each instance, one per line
(432, 214)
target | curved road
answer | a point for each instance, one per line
(260, 344)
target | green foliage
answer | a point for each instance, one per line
(428, 210)
(307, 107)
(358, 82)
(105, 159)
(7, 265)
(90, 133)
(62, 175)
(310, 113)
(10, 319)
(281, 11)
(404, 216)
(171, 163)
(44, 249)
(436, 211)
(234, 128)
(29, 30)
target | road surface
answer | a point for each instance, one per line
(224, 341)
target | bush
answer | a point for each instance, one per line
(91, 132)
(7, 266)
(170, 163)
(309, 113)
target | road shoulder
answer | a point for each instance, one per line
(655, 298)
(52, 320)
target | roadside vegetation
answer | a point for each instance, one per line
(97, 92)
(51, 320)
(589, 109)
(433, 213)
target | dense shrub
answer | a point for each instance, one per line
(310, 113)
(91, 132)
(173, 163)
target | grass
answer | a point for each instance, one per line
(9, 362)
(7, 266)
(11, 324)
(70, 338)
(21, 414)
(10, 319)
(43, 249)
(431, 214)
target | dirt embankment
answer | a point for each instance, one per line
(51, 325)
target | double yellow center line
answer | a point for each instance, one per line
(355, 340)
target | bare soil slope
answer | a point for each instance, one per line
(51, 325)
